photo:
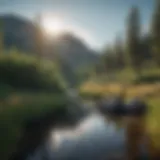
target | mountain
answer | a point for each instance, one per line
(21, 33)
(17, 32)
(75, 51)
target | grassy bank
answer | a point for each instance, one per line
(18, 110)
(151, 92)
(129, 76)
(29, 88)
(153, 121)
(104, 89)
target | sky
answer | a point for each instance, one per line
(99, 20)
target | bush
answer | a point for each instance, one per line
(147, 79)
(13, 118)
(5, 90)
(24, 85)
(24, 72)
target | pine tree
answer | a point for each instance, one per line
(1, 37)
(109, 59)
(156, 33)
(39, 45)
(133, 39)
(119, 51)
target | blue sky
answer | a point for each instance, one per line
(101, 19)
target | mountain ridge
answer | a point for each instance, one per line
(21, 33)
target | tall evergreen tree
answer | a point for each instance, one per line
(156, 32)
(133, 39)
(39, 45)
(1, 37)
(109, 59)
(146, 49)
(119, 51)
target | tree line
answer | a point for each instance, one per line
(138, 50)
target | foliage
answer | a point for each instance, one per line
(1, 37)
(133, 39)
(153, 122)
(18, 110)
(39, 38)
(24, 72)
(5, 90)
(41, 90)
(139, 52)
(67, 72)
(109, 59)
(83, 74)
(156, 32)
(147, 79)
(120, 55)
(113, 58)
(146, 49)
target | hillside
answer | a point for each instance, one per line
(20, 33)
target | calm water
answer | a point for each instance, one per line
(93, 138)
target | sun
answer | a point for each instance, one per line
(53, 25)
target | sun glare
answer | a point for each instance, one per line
(53, 25)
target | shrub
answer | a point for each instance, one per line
(24, 72)
(147, 79)
(24, 85)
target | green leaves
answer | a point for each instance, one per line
(155, 32)
(24, 72)
(134, 39)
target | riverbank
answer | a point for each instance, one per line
(150, 92)
(19, 110)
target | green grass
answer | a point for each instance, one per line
(23, 79)
(128, 76)
(153, 121)
(17, 111)
(24, 72)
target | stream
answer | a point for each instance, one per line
(94, 138)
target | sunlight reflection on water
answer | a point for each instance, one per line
(94, 135)
(93, 138)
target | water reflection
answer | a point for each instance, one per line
(94, 138)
